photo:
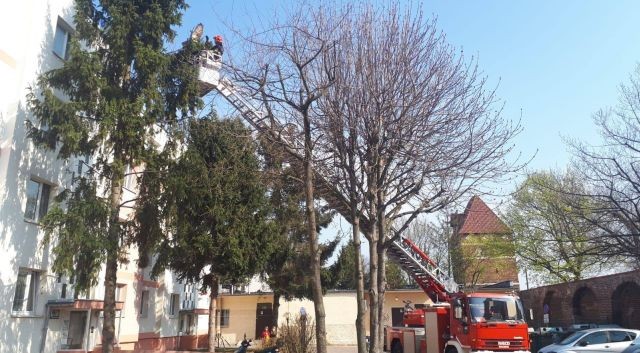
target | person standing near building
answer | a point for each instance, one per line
(266, 337)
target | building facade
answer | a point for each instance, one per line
(39, 311)
(248, 314)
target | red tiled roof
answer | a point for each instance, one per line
(480, 219)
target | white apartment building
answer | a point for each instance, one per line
(38, 311)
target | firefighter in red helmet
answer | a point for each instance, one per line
(218, 49)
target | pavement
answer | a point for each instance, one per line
(342, 349)
(330, 349)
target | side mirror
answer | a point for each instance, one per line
(583, 343)
(457, 312)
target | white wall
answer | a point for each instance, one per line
(25, 51)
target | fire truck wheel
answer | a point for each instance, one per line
(451, 349)
(396, 347)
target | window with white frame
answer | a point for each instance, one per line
(61, 39)
(144, 303)
(25, 297)
(223, 317)
(38, 194)
(174, 304)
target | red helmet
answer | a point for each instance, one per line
(218, 39)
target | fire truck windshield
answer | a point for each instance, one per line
(495, 309)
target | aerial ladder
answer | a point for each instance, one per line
(446, 327)
(404, 252)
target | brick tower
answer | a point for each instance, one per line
(482, 250)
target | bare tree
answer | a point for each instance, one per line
(386, 118)
(425, 130)
(434, 238)
(612, 169)
(285, 73)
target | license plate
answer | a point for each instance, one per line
(503, 344)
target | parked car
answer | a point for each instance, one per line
(597, 340)
(634, 347)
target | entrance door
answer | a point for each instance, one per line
(264, 317)
(397, 316)
(77, 325)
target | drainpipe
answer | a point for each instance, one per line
(88, 330)
(119, 327)
(45, 326)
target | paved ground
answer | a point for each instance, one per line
(342, 349)
(330, 349)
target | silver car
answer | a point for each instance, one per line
(634, 347)
(597, 340)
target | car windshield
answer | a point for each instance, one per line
(495, 309)
(571, 338)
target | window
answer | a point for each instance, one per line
(619, 336)
(223, 317)
(130, 178)
(24, 300)
(61, 40)
(144, 303)
(174, 304)
(594, 338)
(37, 200)
(121, 292)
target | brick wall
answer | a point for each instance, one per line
(612, 299)
(485, 259)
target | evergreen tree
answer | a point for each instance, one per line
(343, 269)
(287, 271)
(118, 87)
(219, 212)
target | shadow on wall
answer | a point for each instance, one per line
(625, 305)
(21, 241)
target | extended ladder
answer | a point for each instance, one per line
(435, 283)
(424, 271)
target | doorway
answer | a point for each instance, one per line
(77, 326)
(397, 316)
(264, 318)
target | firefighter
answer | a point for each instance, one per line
(218, 49)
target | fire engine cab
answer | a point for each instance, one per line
(457, 322)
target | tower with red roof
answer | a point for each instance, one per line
(482, 249)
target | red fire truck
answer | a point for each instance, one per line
(457, 322)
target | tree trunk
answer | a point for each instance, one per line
(276, 308)
(360, 331)
(374, 319)
(382, 266)
(382, 283)
(321, 334)
(111, 268)
(213, 318)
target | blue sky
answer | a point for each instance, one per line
(556, 62)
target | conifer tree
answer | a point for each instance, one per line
(218, 210)
(287, 271)
(106, 103)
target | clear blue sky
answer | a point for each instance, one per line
(557, 62)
